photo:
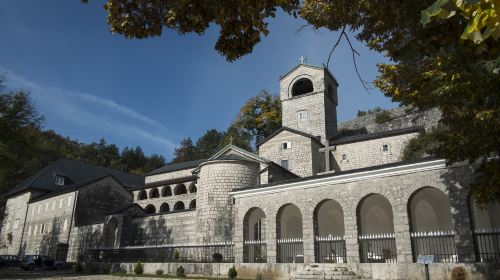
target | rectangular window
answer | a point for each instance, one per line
(65, 225)
(32, 210)
(61, 202)
(53, 205)
(286, 145)
(69, 201)
(46, 206)
(16, 223)
(385, 148)
(59, 180)
(29, 230)
(284, 163)
(344, 156)
(39, 208)
(36, 229)
(302, 116)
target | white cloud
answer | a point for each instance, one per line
(100, 115)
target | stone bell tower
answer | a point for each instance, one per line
(309, 98)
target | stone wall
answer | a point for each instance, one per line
(173, 228)
(214, 221)
(13, 223)
(170, 200)
(370, 152)
(396, 186)
(299, 155)
(48, 223)
(169, 175)
(402, 117)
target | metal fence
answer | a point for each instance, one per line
(330, 249)
(219, 252)
(254, 251)
(441, 244)
(377, 248)
(487, 245)
(290, 250)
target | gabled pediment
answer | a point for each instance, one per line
(231, 152)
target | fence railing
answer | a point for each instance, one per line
(330, 249)
(290, 250)
(441, 244)
(377, 248)
(487, 245)
(219, 252)
(255, 251)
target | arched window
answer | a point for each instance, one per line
(154, 193)
(142, 195)
(111, 230)
(180, 189)
(302, 86)
(329, 232)
(179, 205)
(377, 241)
(431, 225)
(192, 204)
(150, 209)
(289, 235)
(166, 191)
(254, 235)
(164, 208)
(193, 188)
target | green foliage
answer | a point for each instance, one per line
(105, 268)
(159, 272)
(176, 255)
(383, 117)
(180, 272)
(369, 111)
(232, 273)
(138, 268)
(420, 146)
(217, 257)
(459, 273)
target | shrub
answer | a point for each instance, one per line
(138, 268)
(180, 272)
(105, 268)
(217, 257)
(458, 273)
(232, 273)
(259, 277)
(383, 117)
(78, 267)
(159, 272)
(176, 255)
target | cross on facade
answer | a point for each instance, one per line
(302, 59)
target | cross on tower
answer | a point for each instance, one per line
(302, 59)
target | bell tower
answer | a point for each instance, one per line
(309, 98)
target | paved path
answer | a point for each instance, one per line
(17, 273)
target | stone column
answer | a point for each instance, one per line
(351, 235)
(308, 233)
(271, 237)
(464, 239)
(238, 238)
(402, 234)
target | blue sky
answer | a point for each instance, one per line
(89, 83)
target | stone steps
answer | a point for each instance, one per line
(321, 272)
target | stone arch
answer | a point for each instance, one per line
(142, 195)
(329, 231)
(374, 215)
(289, 222)
(179, 205)
(150, 209)
(166, 191)
(154, 193)
(164, 208)
(193, 188)
(180, 189)
(111, 232)
(302, 86)
(486, 218)
(192, 204)
(254, 236)
(429, 210)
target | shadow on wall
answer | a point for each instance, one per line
(155, 233)
(88, 238)
(48, 244)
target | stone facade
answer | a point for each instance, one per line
(303, 154)
(320, 105)
(371, 152)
